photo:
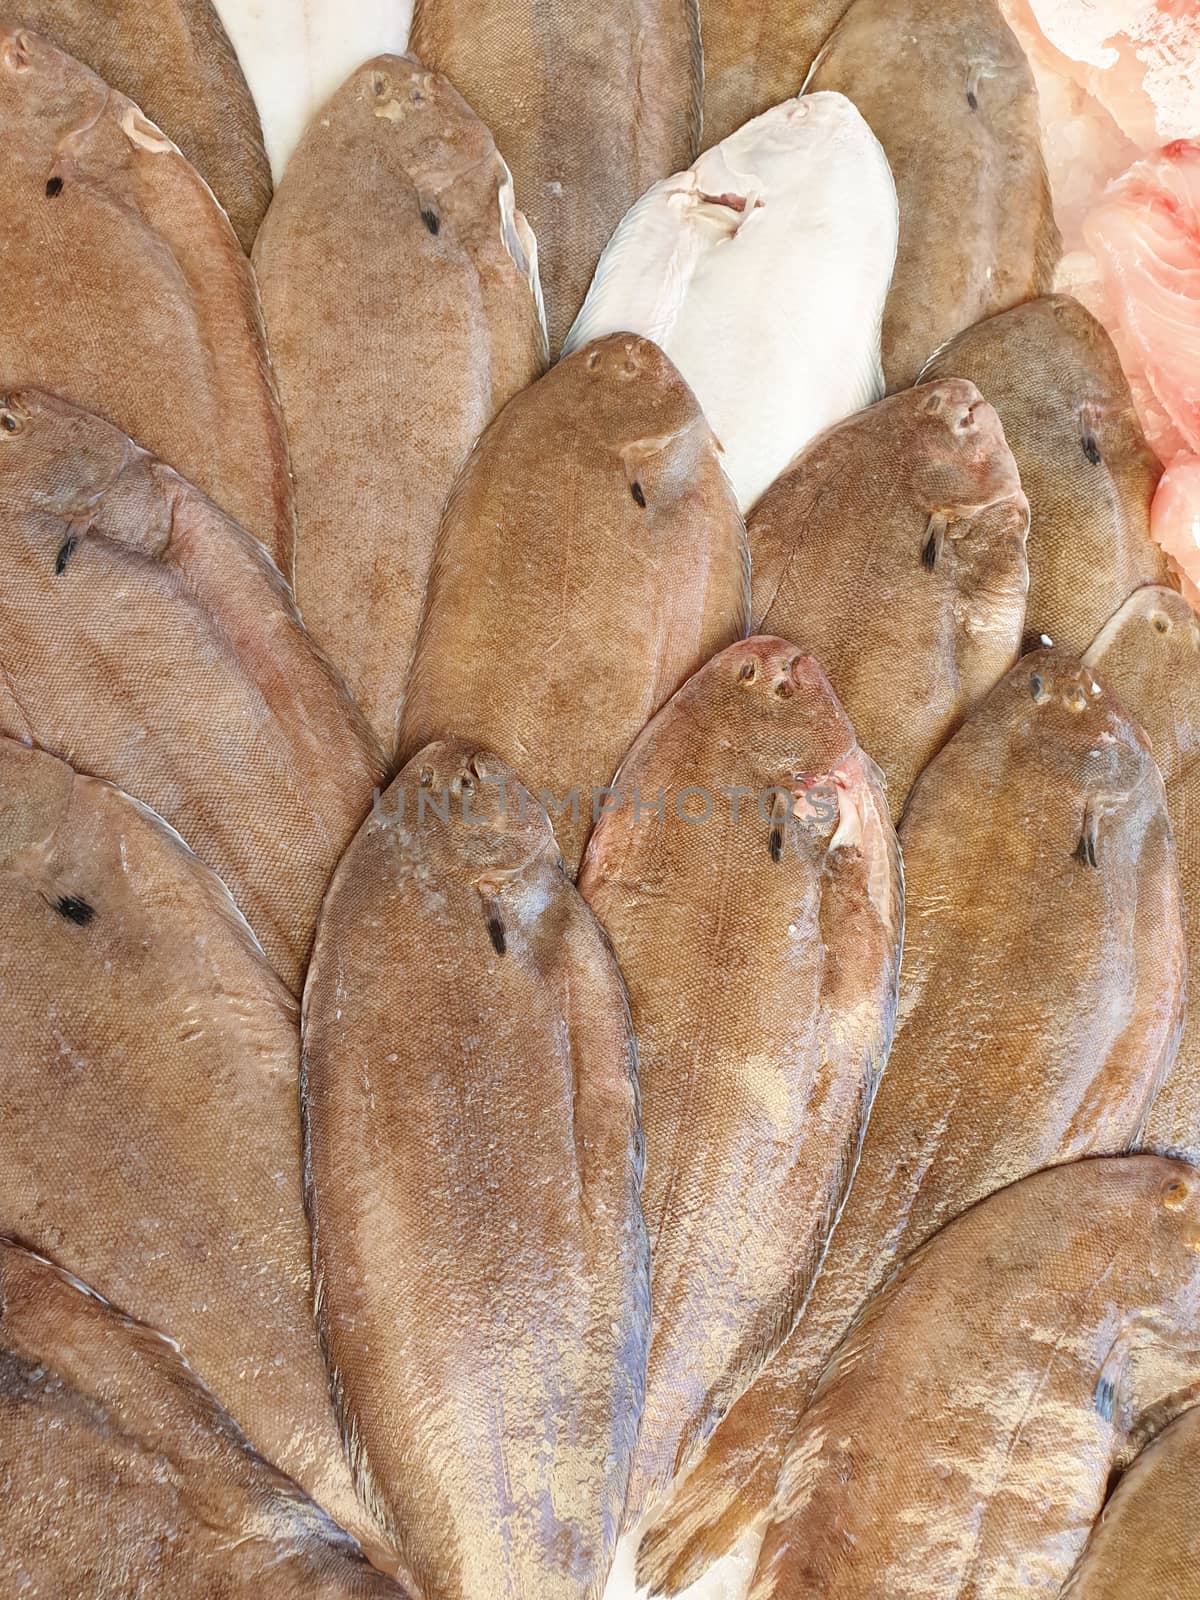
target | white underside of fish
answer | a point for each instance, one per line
(727, 1579)
(295, 53)
(762, 272)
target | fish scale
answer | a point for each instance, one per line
(172, 57)
(589, 105)
(1003, 1061)
(1051, 372)
(150, 1097)
(401, 296)
(129, 293)
(755, 1091)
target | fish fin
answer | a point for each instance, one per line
(1086, 849)
(935, 540)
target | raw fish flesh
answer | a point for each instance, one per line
(126, 288)
(1051, 371)
(474, 1160)
(1175, 523)
(122, 1475)
(296, 52)
(960, 1442)
(1146, 238)
(147, 639)
(947, 90)
(757, 53)
(1146, 1545)
(1149, 655)
(591, 558)
(894, 546)
(401, 298)
(1040, 1003)
(149, 1085)
(762, 272)
(755, 1089)
(1140, 59)
(589, 105)
(174, 60)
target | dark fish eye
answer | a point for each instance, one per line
(8, 422)
(1162, 624)
(1036, 686)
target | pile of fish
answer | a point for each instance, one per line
(599, 734)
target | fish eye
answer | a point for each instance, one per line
(1174, 1193)
(9, 423)
(748, 672)
(1162, 623)
(426, 778)
(1037, 688)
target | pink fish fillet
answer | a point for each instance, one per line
(1145, 235)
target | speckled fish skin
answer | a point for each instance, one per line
(614, 565)
(1149, 653)
(400, 292)
(762, 272)
(128, 291)
(894, 547)
(589, 105)
(1146, 1545)
(147, 639)
(757, 53)
(947, 91)
(1051, 372)
(173, 58)
(296, 52)
(123, 1475)
(133, 991)
(473, 1155)
(755, 1090)
(1040, 1005)
(1000, 1353)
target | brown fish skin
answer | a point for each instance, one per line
(894, 547)
(174, 59)
(128, 290)
(473, 1155)
(123, 1475)
(401, 321)
(1149, 653)
(997, 1358)
(133, 991)
(757, 53)
(580, 155)
(613, 563)
(1040, 1005)
(1146, 1545)
(201, 693)
(977, 231)
(1051, 372)
(755, 1090)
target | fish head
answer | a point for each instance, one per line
(958, 446)
(631, 398)
(443, 142)
(797, 746)
(42, 76)
(1149, 651)
(59, 460)
(1172, 1260)
(469, 795)
(1066, 723)
(777, 151)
